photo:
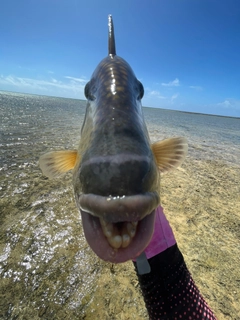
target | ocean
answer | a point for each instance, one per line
(43, 253)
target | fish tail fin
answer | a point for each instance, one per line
(55, 163)
(169, 153)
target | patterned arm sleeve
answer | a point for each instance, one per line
(169, 291)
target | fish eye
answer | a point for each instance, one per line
(140, 90)
(87, 92)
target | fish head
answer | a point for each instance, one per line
(116, 156)
(116, 179)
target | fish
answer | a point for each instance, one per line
(116, 169)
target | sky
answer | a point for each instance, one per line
(185, 52)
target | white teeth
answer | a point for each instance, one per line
(119, 235)
(107, 228)
(108, 233)
(115, 241)
(125, 240)
(131, 229)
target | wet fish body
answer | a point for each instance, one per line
(116, 169)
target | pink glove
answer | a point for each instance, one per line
(163, 236)
(162, 239)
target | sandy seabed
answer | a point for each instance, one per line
(202, 203)
(49, 272)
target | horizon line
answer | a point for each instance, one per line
(174, 110)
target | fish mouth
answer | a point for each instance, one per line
(139, 235)
(118, 229)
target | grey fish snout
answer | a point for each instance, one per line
(119, 175)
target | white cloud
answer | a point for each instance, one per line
(228, 107)
(27, 68)
(54, 80)
(174, 96)
(230, 104)
(72, 87)
(81, 80)
(174, 83)
(156, 99)
(198, 88)
(156, 94)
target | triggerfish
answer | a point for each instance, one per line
(116, 169)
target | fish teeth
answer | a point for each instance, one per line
(126, 239)
(115, 241)
(131, 229)
(107, 228)
(116, 237)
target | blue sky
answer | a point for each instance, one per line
(185, 52)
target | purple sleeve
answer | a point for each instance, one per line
(169, 291)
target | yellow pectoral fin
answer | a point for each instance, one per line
(169, 153)
(55, 163)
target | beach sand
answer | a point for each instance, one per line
(201, 201)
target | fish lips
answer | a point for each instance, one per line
(140, 208)
(119, 208)
(100, 246)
